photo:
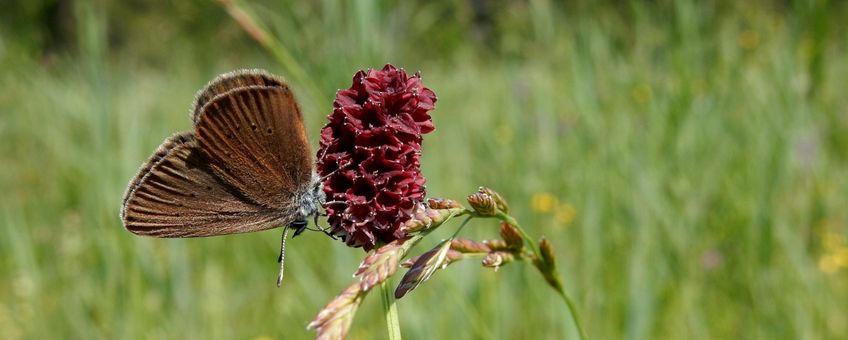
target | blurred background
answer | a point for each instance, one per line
(687, 159)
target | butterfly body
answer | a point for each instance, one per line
(307, 203)
(247, 166)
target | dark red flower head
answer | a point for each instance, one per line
(370, 153)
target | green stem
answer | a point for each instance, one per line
(390, 308)
(467, 219)
(571, 308)
(389, 305)
(554, 281)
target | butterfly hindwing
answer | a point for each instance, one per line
(176, 194)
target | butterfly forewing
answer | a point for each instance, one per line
(230, 81)
(254, 140)
(176, 194)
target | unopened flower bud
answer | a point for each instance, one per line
(424, 218)
(443, 203)
(497, 244)
(496, 259)
(499, 201)
(511, 236)
(547, 251)
(547, 264)
(467, 246)
(483, 203)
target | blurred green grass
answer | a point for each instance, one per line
(701, 145)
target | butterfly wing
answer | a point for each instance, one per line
(176, 194)
(254, 140)
(230, 81)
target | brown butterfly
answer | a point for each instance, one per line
(247, 166)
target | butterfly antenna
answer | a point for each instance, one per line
(282, 258)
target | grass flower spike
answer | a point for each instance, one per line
(424, 267)
(333, 322)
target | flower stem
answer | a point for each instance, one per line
(552, 277)
(390, 308)
(573, 309)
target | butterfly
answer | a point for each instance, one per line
(246, 167)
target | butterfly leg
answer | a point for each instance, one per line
(322, 229)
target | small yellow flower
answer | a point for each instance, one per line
(698, 86)
(827, 264)
(749, 40)
(642, 93)
(833, 241)
(565, 213)
(840, 256)
(503, 134)
(543, 202)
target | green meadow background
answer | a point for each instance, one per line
(688, 160)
